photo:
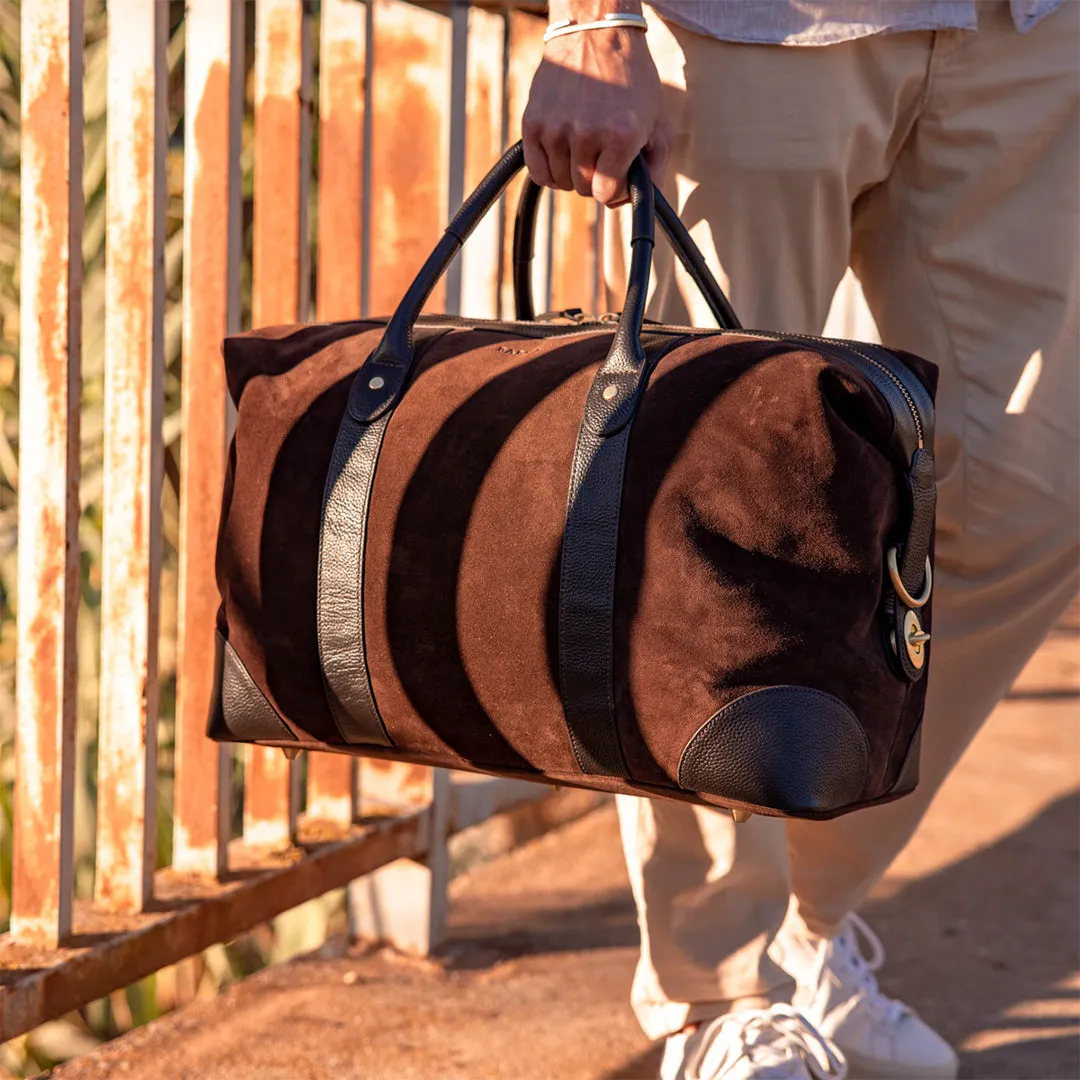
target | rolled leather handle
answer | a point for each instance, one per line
(688, 252)
(382, 379)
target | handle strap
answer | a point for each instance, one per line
(688, 252)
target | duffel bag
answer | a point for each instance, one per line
(613, 554)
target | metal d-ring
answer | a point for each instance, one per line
(898, 585)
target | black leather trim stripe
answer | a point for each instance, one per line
(342, 542)
(589, 557)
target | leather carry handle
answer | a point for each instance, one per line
(381, 381)
(683, 244)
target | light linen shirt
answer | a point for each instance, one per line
(825, 22)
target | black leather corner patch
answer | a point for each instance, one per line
(239, 711)
(788, 748)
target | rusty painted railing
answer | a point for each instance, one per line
(414, 103)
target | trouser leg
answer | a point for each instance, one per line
(772, 146)
(968, 256)
(710, 898)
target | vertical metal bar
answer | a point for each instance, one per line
(343, 50)
(573, 251)
(615, 226)
(305, 100)
(410, 101)
(279, 292)
(365, 199)
(480, 257)
(405, 903)
(526, 46)
(49, 388)
(270, 797)
(331, 787)
(282, 161)
(134, 373)
(459, 61)
(342, 105)
(213, 77)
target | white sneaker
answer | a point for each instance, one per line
(777, 1043)
(880, 1038)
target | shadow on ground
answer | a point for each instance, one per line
(979, 917)
(608, 922)
(990, 944)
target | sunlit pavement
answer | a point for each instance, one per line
(979, 917)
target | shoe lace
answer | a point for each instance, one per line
(777, 1036)
(853, 937)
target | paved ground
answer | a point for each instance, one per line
(979, 916)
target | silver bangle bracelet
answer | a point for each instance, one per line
(608, 22)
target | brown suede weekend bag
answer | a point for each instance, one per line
(609, 554)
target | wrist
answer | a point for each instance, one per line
(590, 10)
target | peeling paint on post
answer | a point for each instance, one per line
(410, 158)
(481, 256)
(342, 95)
(134, 398)
(49, 389)
(279, 293)
(271, 789)
(331, 778)
(331, 787)
(213, 76)
(282, 161)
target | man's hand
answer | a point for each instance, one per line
(595, 102)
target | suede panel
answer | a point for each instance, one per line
(759, 498)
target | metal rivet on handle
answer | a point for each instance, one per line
(610, 393)
(377, 383)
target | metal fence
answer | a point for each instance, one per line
(413, 105)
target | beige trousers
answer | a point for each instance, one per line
(943, 167)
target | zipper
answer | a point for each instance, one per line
(521, 328)
(850, 346)
(875, 366)
(539, 330)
